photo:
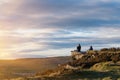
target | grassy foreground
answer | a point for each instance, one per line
(28, 67)
(100, 71)
(93, 65)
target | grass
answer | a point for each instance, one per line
(103, 71)
(106, 66)
(16, 68)
(84, 75)
(100, 71)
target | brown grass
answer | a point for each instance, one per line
(12, 68)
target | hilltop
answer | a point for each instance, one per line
(101, 64)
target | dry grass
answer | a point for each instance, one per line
(23, 67)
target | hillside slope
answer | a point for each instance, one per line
(103, 64)
(100, 71)
(25, 67)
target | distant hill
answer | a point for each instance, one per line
(28, 66)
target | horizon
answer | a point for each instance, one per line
(44, 57)
(37, 28)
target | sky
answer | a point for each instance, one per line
(48, 28)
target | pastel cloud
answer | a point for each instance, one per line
(32, 28)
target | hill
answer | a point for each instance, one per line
(102, 64)
(28, 66)
(100, 71)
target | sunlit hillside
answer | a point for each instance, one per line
(101, 64)
(28, 67)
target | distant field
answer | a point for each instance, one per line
(23, 67)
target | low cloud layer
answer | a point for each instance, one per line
(32, 28)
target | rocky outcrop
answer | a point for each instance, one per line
(76, 55)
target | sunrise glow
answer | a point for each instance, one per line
(42, 28)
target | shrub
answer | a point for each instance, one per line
(115, 58)
(92, 58)
(104, 49)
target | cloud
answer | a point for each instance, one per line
(38, 27)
